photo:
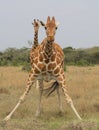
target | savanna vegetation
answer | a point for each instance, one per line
(79, 57)
(83, 87)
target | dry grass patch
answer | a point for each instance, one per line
(84, 125)
(83, 87)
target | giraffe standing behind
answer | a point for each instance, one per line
(36, 26)
(47, 64)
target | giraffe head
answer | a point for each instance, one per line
(36, 25)
(50, 27)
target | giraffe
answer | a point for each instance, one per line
(36, 24)
(48, 60)
(55, 85)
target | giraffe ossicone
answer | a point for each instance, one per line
(47, 64)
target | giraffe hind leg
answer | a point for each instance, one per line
(59, 100)
(29, 84)
(38, 111)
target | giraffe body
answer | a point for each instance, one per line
(45, 67)
(39, 82)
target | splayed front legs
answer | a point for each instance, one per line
(62, 83)
(11, 113)
(70, 102)
(31, 80)
(29, 84)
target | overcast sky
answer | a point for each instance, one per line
(79, 22)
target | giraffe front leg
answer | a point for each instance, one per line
(61, 81)
(31, 80)
(40, 96)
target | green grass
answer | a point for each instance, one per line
(52, 124)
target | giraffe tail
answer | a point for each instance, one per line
(51, 89)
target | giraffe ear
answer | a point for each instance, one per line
(57, 23)
(48, 19)
(33, 22)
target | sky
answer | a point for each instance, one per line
(79, 22)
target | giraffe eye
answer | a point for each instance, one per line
(45, 28)
(56, 28)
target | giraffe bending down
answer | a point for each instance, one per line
(48, 60)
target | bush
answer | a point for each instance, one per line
(26, 67)
(16, 57)
(82, 62)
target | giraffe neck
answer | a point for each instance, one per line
(48, 48)
(35, 39)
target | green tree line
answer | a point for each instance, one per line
(14, 57)
(83, 57)
(17, 57)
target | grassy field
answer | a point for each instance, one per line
(83, 87)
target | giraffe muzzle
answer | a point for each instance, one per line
(50, 38)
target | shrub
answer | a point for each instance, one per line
(82, 62)
(26, 67)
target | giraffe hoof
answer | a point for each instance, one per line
(7, 118)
